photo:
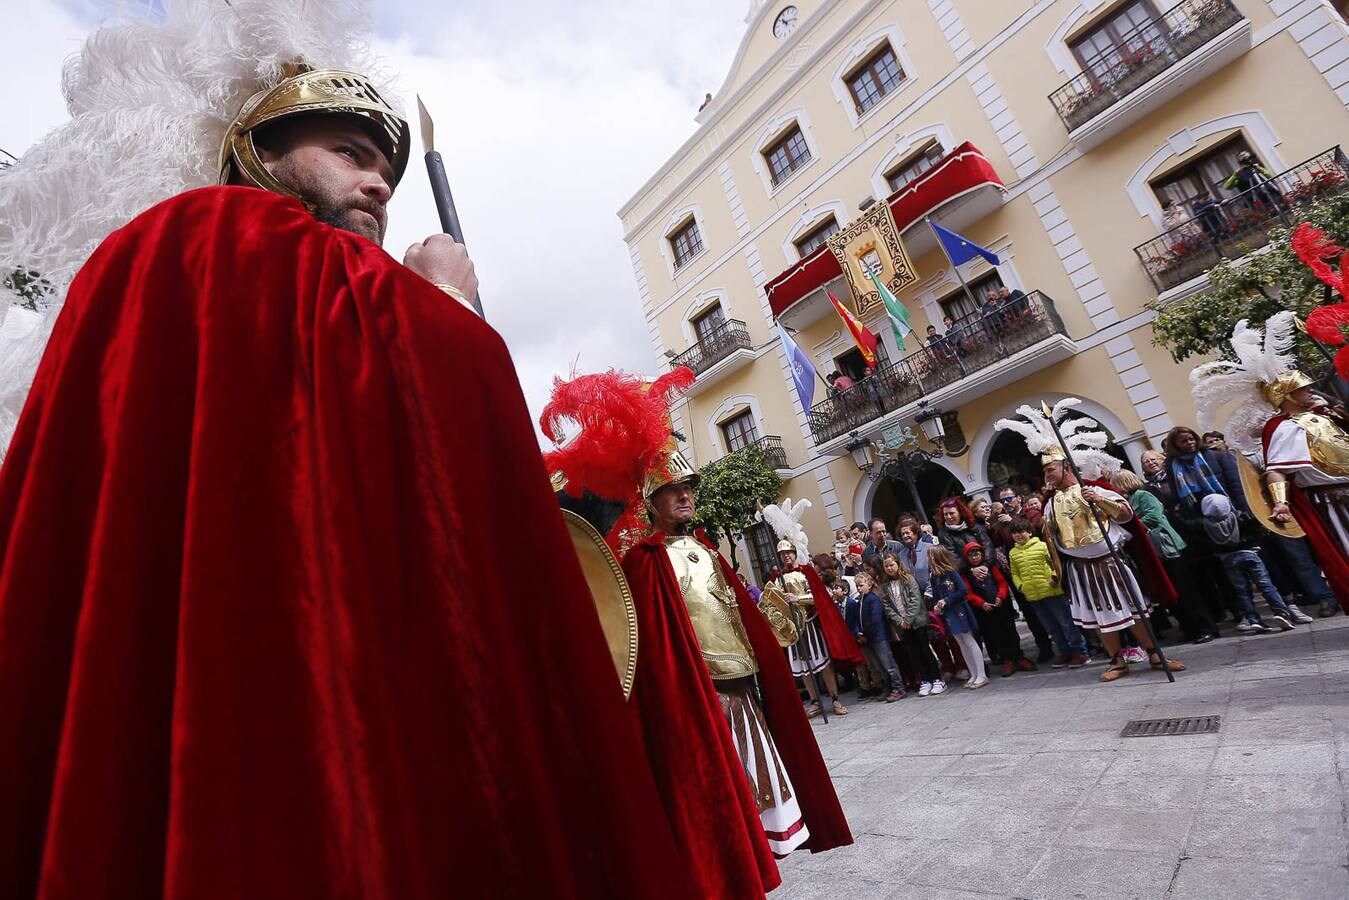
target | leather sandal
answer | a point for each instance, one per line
(839, 708)
(1118, 669)
(1172, 665)
(814, 710)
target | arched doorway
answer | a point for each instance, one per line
(1009, 462)
(893, 496)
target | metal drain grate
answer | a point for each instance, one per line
(1168, 727)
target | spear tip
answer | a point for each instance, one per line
(428, 127)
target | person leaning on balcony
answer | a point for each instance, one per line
(941, 347)
(1254, 182)
(1209, 213)
(839, 382)
(992, 310)
(1178, 225)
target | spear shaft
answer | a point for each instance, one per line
(440, 187)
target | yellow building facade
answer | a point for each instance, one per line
(1094, 145)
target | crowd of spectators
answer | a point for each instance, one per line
(935, 606)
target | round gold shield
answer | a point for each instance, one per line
(613, 597)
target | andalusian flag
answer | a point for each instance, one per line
(866, 341)
(899, 316)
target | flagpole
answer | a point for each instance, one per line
(956, 268)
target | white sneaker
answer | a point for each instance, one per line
(1276, 622)
(925, 688)
(1135, 655)
(1246, 626)
(1299, 616)
(938, 687)
(963, 675)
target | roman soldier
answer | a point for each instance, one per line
(1304, 446)
(726, 737)
(247, 648)
(1103, 593)
(820, 644)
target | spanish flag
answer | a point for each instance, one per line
(866, 341)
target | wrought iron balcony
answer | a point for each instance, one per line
(973, 345)
(770, 445)
(713, 347)
(1142, 54)
(1232, 228)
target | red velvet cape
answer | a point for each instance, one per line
(257, 637)
(842, 645)
(707, 797)
(1327, 552)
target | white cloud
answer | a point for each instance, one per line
(549, 117)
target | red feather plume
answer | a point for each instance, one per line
(624, 433)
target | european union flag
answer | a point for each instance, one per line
(960, 249)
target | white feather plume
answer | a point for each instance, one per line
(149, 97)
(1262, 355)
(785, 520)
(1083, 436)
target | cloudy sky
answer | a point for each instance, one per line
(549, 115)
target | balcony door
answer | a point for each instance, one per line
(1105, 51)
(1202, 176)
(707, 326)
(854, 366)
(957, 303)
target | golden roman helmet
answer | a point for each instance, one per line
(1053, 454)
(1277, 391)
(306, 91)
(785, 544)
(675, 470)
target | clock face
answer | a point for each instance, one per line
(785, 22)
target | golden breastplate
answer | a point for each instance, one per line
(798, 593)
(1073, 521)
(712, 609)
(1327, 442)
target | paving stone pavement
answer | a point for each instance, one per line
(1026, 790)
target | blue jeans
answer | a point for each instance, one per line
(1057, 619)
(886, 658)
(1306, 571)
(1247, 572)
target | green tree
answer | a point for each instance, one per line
(1256, 287)
(731, 490)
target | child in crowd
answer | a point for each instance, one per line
(950, 595)
(877, 634)
(992, 599)
(907, 612)
(1034, 576)
(1236, 535)
(867, 681)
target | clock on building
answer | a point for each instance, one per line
(785, 22)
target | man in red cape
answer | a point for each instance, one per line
(250, 641)
(736, 795)
(825, 642)
(1303, 485)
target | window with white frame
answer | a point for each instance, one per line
(787, 154)
(909, 168)
(686, 242)
(816, 237)
(878, 75)
(739, 431)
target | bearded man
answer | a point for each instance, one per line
(246, 648)
(725, 730)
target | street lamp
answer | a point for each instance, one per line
(901, 453)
